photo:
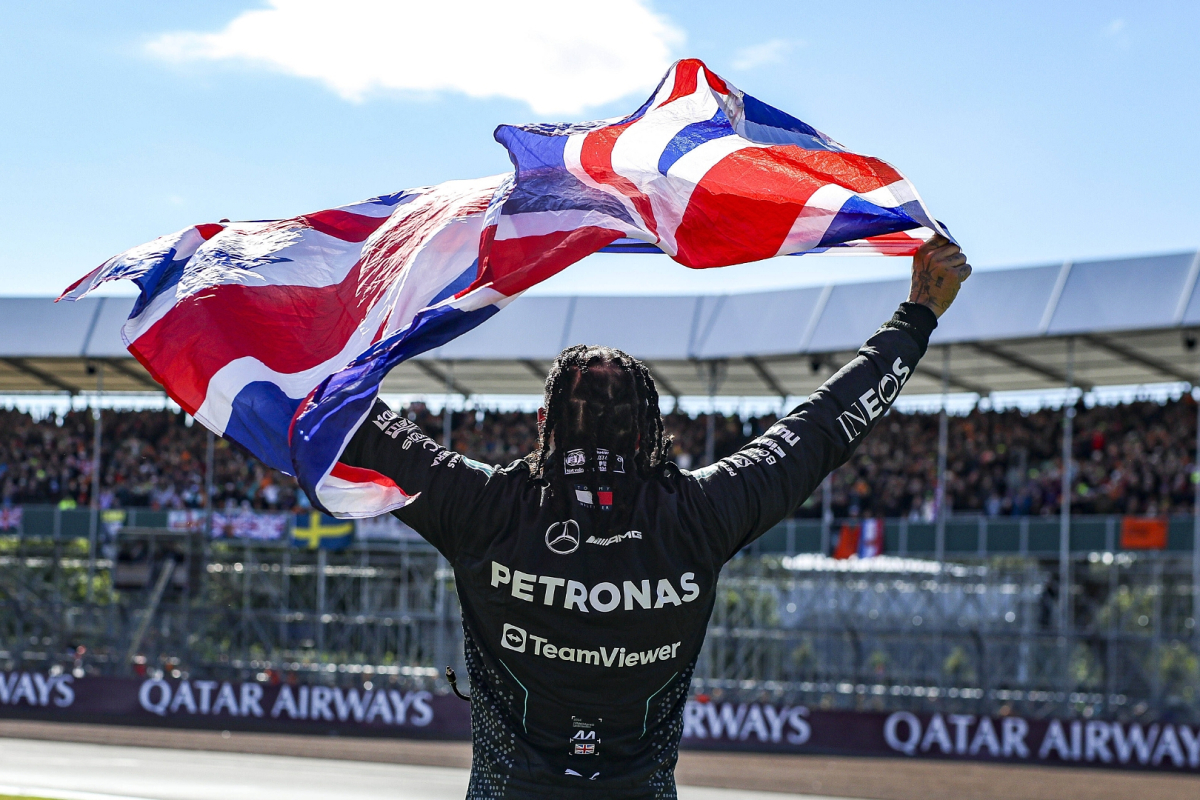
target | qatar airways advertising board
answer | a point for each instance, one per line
(707, 724)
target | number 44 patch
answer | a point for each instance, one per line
(584, 737)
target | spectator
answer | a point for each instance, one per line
(1134, 458)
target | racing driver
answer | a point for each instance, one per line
(587, 571)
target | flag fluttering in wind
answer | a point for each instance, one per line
(278, 334)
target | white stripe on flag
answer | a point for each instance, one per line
(893, 195)
(689, 170)
(540, 223)
(814, 219)
(571, 157)
(635, 156)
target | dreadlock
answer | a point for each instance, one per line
(599, 398)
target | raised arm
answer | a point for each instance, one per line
(445, 487)
(765, 481)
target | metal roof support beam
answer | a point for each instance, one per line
(20, 365)
(1028, 364)
(662, 383)
(441, 377)
(536, 369)
(129, 372)
(963, 384)
(967, 386)
(764, 374)
(1131, 355)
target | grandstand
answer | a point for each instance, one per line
(1005, 583)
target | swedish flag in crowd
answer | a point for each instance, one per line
(318, 531)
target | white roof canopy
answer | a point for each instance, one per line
(1128, 320)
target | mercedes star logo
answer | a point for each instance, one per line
(563, 537)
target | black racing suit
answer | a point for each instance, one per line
(580, 649)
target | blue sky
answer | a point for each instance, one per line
(1036, 131)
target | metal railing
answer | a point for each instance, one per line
(984, 630)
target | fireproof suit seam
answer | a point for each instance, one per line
(525, 711)
(646, 718)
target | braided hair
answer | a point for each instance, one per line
(599, 398)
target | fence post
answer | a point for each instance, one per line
(1065, 581)
(1064, 505)
(94, 517)
(943, 444)
(1156, 648)
(1196, 528)
(826, 512)
(322, 556)
(1113, 632)
(284, 590)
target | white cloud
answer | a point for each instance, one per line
(559, 57)
(1117, 32)
(762, 54)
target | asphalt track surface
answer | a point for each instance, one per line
(75, 771)
(105, 762)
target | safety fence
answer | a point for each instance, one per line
(957, 536)
(996, 627)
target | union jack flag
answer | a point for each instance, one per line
(277, 334)
(703, 172)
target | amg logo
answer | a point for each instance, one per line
(873, 402)
(614, 539)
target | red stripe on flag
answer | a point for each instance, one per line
(362, 475)
(513, 265)
(715, 82)
(344, 225)
(857, 173)
(746, 203)
(743, 208)
(288, 328)
(74, 285)
(209, 230)
(596, 159)
(685, 80)
(895, 244)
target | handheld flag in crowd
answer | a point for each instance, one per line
(318, 531)
(277, 334)
(1144, 533)
(10, 518)
(864, 539)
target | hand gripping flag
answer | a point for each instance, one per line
(277, 334)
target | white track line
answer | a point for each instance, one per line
(61, 794)
(76, 771)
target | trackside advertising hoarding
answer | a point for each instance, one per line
(230, 705)
(716, 725)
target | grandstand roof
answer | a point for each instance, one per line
(1128, 320)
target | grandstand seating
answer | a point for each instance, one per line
(1134, 458)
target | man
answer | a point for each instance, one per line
(587, 572)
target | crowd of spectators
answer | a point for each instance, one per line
(147, 458)
(1134, 458)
